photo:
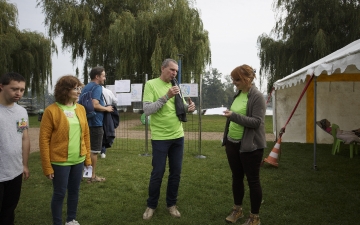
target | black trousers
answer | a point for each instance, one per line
(241, 164)
(9, 197)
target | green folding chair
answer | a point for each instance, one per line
(337, 142)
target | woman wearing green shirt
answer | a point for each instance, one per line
(65, 147)
(244, 140)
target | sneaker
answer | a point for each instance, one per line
(174, 212)
(253, 219)
(149, 212)
(235, 214)
(103, 156)
(73, 222)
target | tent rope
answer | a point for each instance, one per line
(282, 130)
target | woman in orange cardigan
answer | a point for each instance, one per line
(65, 146)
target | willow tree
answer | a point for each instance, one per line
(130, 38)
(25, 52)
(305, 31)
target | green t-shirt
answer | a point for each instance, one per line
(74, 137)
(164, 124)
(236, 131)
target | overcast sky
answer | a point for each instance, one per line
(233, 26)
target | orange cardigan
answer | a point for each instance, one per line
(54, 136)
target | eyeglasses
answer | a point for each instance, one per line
(77, 89)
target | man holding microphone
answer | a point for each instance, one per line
(167, 136)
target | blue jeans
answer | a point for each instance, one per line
(174, 150)
(9, 198)
(66, 177)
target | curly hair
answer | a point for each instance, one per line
(63, 86)
(245, 73)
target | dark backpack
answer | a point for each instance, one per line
(86, 100)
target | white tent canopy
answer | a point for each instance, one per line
(346, 58)
(335, 98)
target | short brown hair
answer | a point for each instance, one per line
(63, 86)
(96, 71)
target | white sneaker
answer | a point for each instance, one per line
(73, 222)
(103, 156)
(149, 212)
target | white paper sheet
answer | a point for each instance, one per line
(122, 85)
(215, 111)
(124, 99)
(136, 92)
(189, 90)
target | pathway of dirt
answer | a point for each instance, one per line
(123, 131)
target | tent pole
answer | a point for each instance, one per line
(315, 97)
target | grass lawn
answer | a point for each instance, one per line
(294, 193)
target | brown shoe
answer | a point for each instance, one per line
(174, 211)
(149, 212)
(253, 219)
(235, 214)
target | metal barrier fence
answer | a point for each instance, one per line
(131, 135)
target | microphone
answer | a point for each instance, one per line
(174, 82)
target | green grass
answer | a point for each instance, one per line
(294, 193)
(33, 121)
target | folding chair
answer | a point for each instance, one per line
(337, 142)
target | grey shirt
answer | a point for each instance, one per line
(13, 121)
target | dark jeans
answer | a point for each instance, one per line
(241, 164)
(66, 178)
(9, 197)
(103, 150)
(161, 150)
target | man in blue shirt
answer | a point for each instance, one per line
(97, 76)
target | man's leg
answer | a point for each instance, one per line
(103, 152)
(96, 136)
(10, 194)
(93, 157)
(176, 153)
(159, 152)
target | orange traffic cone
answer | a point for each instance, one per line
(273, 156)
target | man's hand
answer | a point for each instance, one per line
(174, 90)
(26, 173)
(109, 108)
(191, 107)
